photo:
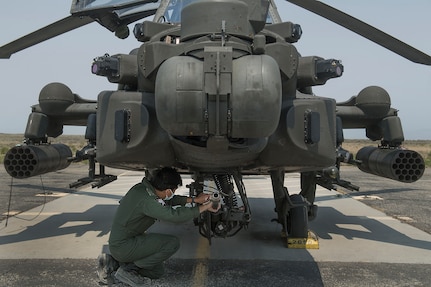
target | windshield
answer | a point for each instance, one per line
(82, 5)
(173, 11)
(169, 11)
(121, 7)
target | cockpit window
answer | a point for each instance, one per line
(173, 11)
(81, 5)
(122, 8)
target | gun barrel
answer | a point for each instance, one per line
(398, 164)
(29, 160)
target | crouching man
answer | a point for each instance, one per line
(141, 255)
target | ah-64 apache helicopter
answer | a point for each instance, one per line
(217, 89)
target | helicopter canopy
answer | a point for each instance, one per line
(172, 14)
(123, 8)
(170, 11)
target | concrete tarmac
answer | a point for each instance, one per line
(359, 245)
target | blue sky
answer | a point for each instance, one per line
(68, 58)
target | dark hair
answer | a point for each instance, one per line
(166, 178)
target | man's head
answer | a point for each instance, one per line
(166, 178)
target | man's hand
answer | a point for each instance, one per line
(212, 209)
(209, 207)
(202, 198)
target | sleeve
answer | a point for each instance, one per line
(177, 200)
(167, 213)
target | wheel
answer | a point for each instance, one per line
(297, 219)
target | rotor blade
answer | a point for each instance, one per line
(57, 28)
(371, 33)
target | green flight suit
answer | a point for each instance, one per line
(138, 210)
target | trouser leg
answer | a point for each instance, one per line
(154, 249)
(148, 252)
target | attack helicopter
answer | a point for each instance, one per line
(218, 90)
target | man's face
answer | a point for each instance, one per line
(169, 193)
